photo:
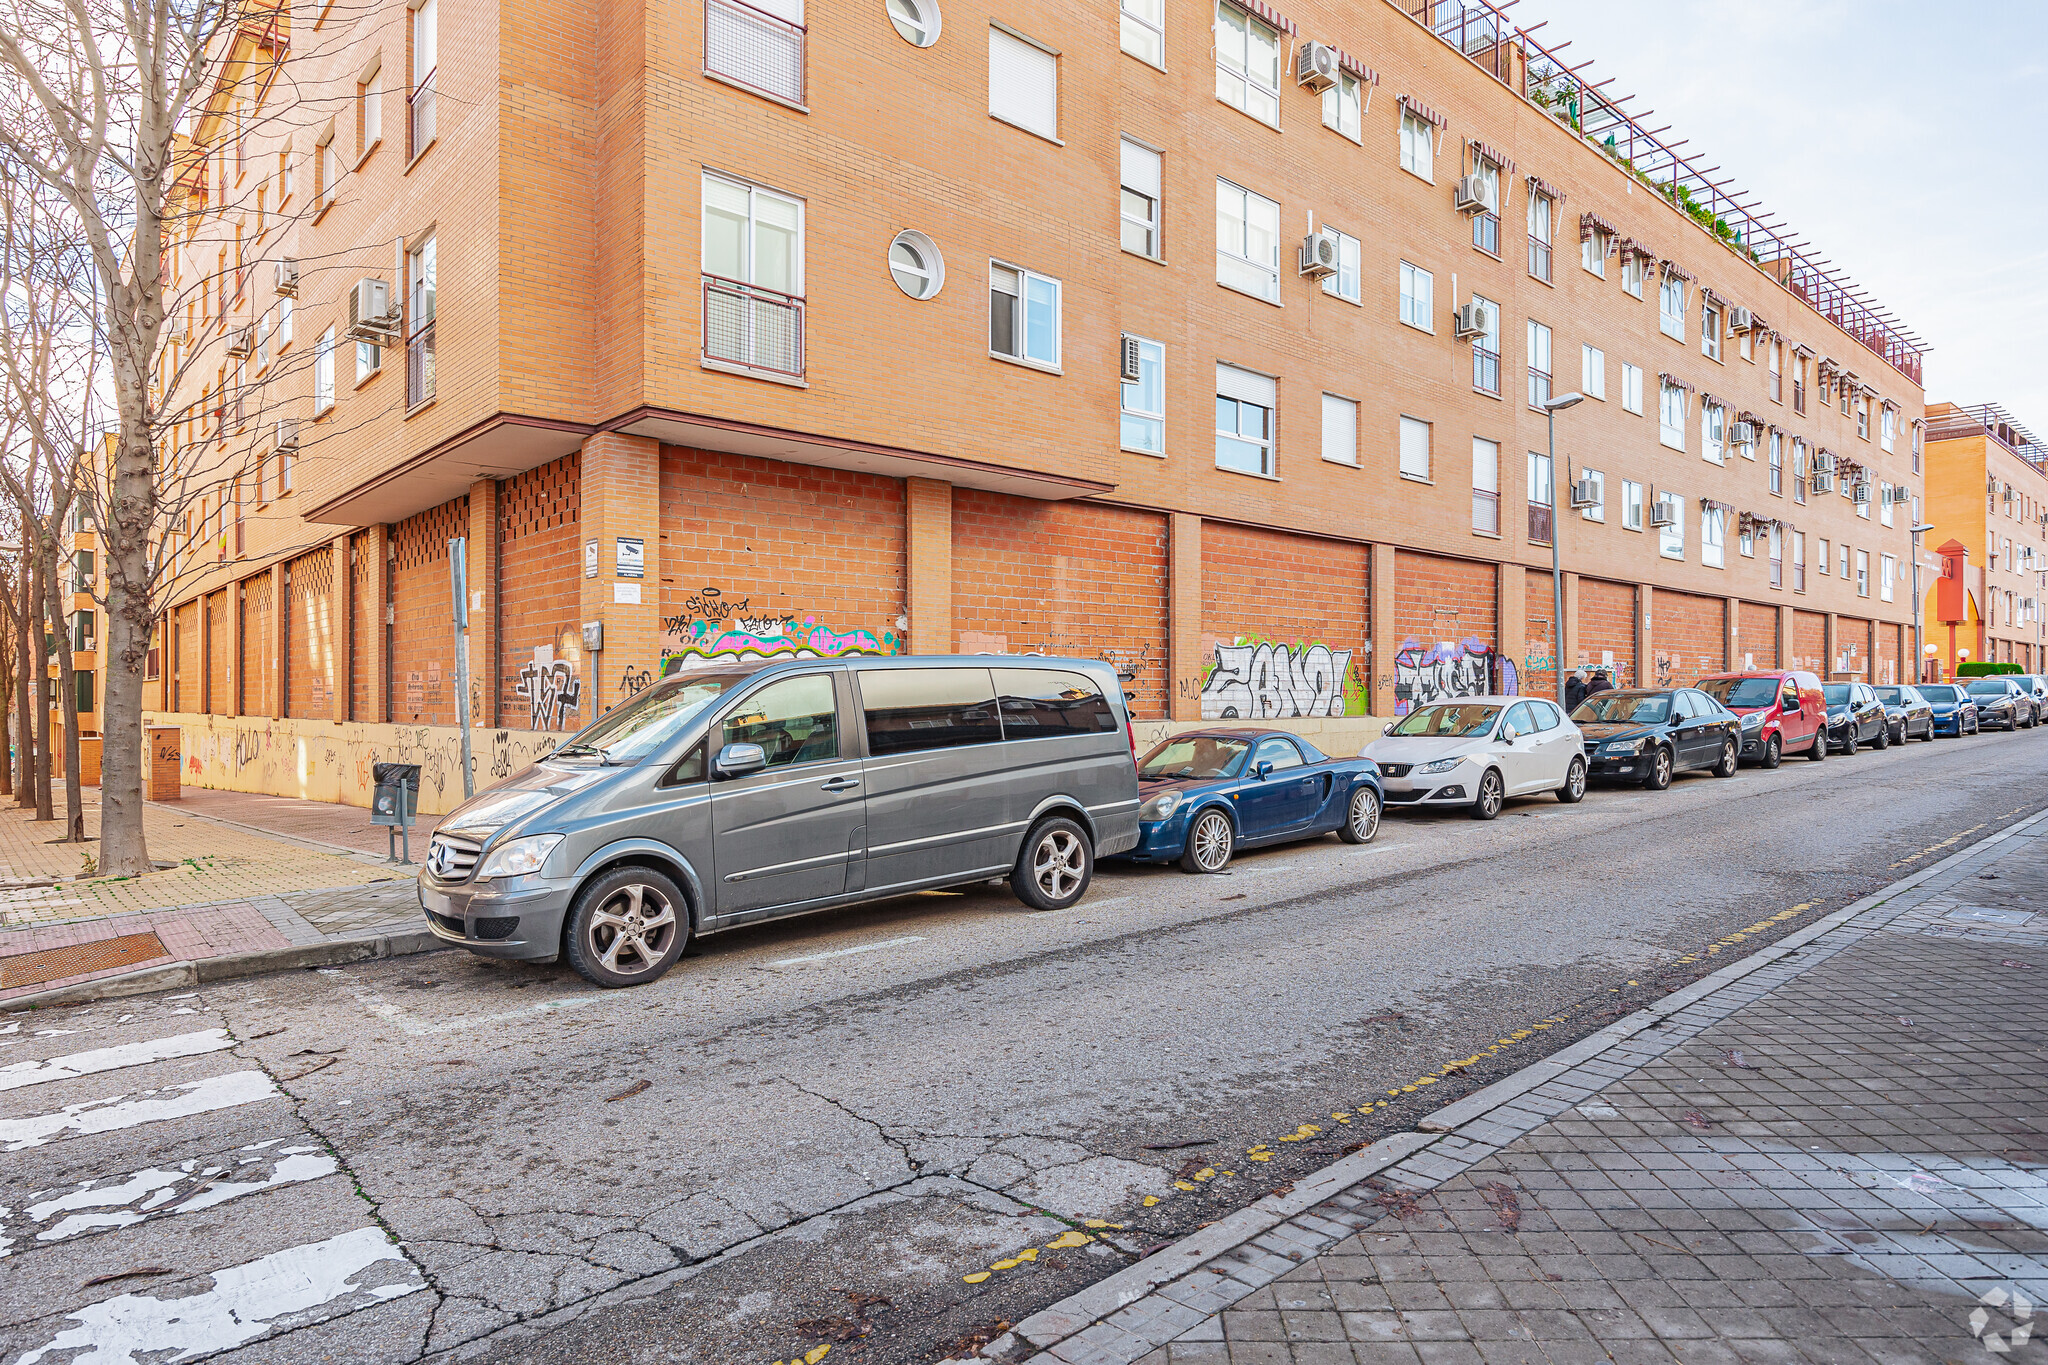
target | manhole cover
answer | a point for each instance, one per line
(1977, 914)
(80, 959)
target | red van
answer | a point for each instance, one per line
(1782, 712)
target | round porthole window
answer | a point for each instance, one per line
(915, 265)
(916, 20)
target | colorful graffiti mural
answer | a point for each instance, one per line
(1447, 670)
(690, 637)
(1258, 680)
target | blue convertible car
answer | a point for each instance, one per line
(1208, 793)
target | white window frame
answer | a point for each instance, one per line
(1418, 308)
(1542, 214)
(1538, 342)
(1340, 429)
(1021, 316)
(1486, 484)
(1631, 505)
(1342, 111)
(1416, 439)
(1349, 260)
(1826, 560)
(1713, 432)
(323, 373)
(1143, 23)
(1008, 103)
(1887, 571)
(1418, 145)
(1671, 398)
(1671, 539)
(1671, 290)
(1710, 332)
(1776, 482)
(1233, 256)
(1146, 166)
(1863, 573)
(1884, 502)
(1598, 511)
(1593, 372)
(1713, 538)
(1888, 428)
(1266, 400)
(1593, 254)
(1152, 358)
(1240, 25)
(1635, 272)
(1632, 388)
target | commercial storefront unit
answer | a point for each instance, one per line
(1987, 498)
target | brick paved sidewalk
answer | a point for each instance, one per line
(1839, 1155)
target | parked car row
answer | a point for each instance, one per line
(737, 792)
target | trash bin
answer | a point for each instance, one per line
(393, 804)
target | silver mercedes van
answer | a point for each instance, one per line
(731, 793)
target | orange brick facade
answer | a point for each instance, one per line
(1607, 626)
(1690, 637)
(1759, 635)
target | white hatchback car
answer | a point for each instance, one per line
(1479, 751)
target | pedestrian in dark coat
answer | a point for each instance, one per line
(1574, 690)
(1601, 683)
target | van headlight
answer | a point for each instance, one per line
(520, 856)
(1442, 765)
(1753, 721)
(1160, 806)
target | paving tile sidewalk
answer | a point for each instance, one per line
(1838, 1152)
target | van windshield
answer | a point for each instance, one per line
(1736, 693)
(644, 724)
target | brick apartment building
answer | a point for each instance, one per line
(1197, 336)
(1987, 498)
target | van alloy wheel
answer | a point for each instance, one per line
(1055, 865)
(627, 927)
(1210, 843)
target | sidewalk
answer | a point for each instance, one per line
(1835, 1150)
(237, 875)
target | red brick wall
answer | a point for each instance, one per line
(220, 619)
(1447, 626)
(1809, 642)
(1759, 636)
(810, 557)
(1274, 589)
(1541, 636)
(1852, 646)
(1894, 648)
(1079, 579)
(259, 652)
(540, 565)
(1688, 637)
(191, 663)
(367, 627)
(423, 638)
(1607, 622)
(311, 644)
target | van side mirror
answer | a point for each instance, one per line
(738, 760)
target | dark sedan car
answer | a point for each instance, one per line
(2002, 703)
(1954, 711)
(1207, 793)
(1906, 713)
(1647, 735)
(1855, 717)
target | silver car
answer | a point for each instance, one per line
(734, 793)
(1478, 751)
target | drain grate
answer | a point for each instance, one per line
(80, 959)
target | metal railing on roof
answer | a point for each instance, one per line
(1994, 421)
(1481, 31)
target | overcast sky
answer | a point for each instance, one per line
(1903, 140)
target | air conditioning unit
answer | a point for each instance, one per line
(1475, 195)
(287, 434)
(241, 340)
(1742, 434)
(1901, 495)
(1823, 481)
(1471, 319)
(1823, 464)
(287, 279)
(174, 329)
(1585, 493)
(1739, 320)
(1664, 511)
(1319, 254)
(1130, 365)
(370, 316)
(1315, 66)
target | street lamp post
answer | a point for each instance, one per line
(1920, 530)
(1551, 408)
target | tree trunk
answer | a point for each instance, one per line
(56, 575)
(124, 851)
(6, 727)
(24, 691)
(38, 591)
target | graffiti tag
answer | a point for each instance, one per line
(631, 684)
(712, 605)
(685, 641)
(1446, 671)
(1273, 682)
(552, 691)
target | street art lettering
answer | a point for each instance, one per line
(708, 605)
(552, 691)
(687, 641)
(1257, 681)
(1448, 670)
(632, 683)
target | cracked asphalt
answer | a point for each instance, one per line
(888, 1131)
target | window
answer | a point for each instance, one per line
(1671, 535)
(1245, 402)
(1822, 556)
(1745, 540)
(1539, 364)
(1671, 415)
(1486, 486)
(1247, 63)
(1143, 423)
(1798, 470)
(1596, 510)
(1541, 507)
(1340, 429)
(1023, 84)
(1139, 204)
(1486, 223)
(1247, 242)
(82, 690)
(916, 265)
(908, 710)
(1884, 503)
(1044, 703)
(262, 343)
(1632, 388)
(795, 720)
(756, 44)
(323, 372)
(1713, 537)
(1144, 30)
(1344, 284)
(1418, 297)
(1799, 383)
(1593, 248)
(419, 324)
(284, 323)
(370, 111)
(1863, 573)
(1023, 315)
(1486, 347)
(1917, 429)
(1634, 270)
(1671, 308)
(1593, 372)
(1710, 332)
(419, 124)
(1340, 106)
(916, 21)
(1888, 428)
(1541, 211)
(1713, 428)
(84, 565)
(285, 178)
(1748, 347)
(1631, 505)
(1414, 448)
(1888, 568)
(1777, 383)
(1799, 561)
(369, 360)
(1842, 561)
(753, 277)
(1778, 464)
(326, 171)
(1862, 417)
(1418, 145)
(1842, 388)
(83, 633)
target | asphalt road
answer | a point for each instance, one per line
(834, 1131)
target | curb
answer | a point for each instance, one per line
(1255, 1234)
(171, 975)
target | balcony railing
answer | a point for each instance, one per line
(754, 48)
(1485, 369)
(1539, 523)
(1539, 387)
(757, 328)
(1486, 511)
(419, 116)
(1539, 259)
(419, 367)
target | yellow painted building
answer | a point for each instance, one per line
(1987, 498)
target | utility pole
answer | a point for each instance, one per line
(1550, 410)
(458, 582)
